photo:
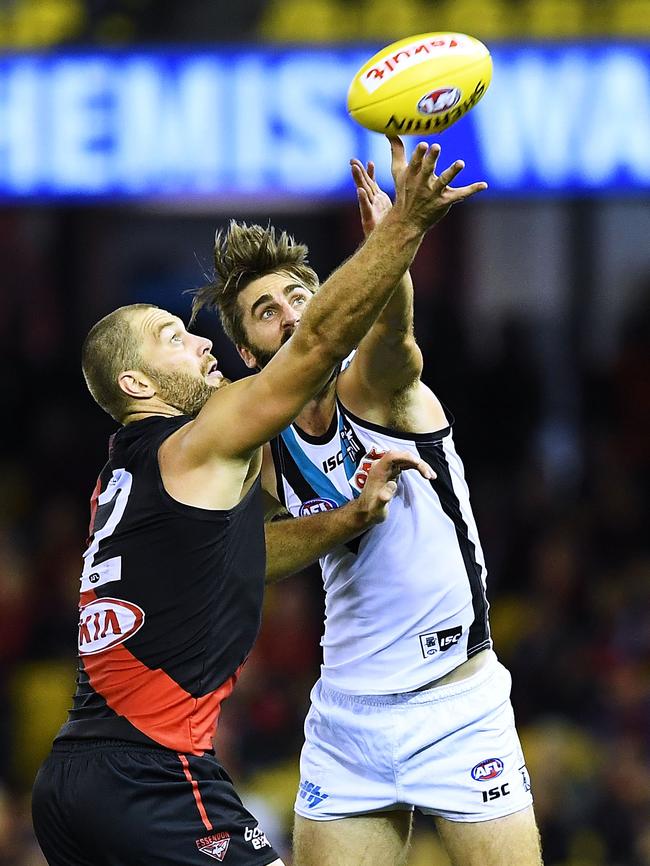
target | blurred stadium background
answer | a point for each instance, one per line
(131, 129)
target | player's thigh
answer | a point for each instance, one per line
(380, 839)
(509, 841)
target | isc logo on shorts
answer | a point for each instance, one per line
(107, 622)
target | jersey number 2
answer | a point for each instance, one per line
(111, 504)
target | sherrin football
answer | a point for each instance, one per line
(420, 85)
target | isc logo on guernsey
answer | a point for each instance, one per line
(106, 622)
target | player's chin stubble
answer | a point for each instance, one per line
(263, 356)
(183, 391)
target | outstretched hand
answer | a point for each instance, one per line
(423, 194)
(374, 203)
(381, 483)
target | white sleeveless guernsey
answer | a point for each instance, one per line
(405, 603)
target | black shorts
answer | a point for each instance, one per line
(109, 803)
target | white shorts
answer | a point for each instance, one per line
(451, 751)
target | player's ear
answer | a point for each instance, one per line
(135, 384)
(247, 357)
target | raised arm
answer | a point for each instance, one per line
(388, 359)
(389, 348)
(334, 323)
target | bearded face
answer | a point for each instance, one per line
(185, 391)
(263, 356)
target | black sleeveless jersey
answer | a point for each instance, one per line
(170, 606)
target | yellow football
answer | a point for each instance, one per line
(420, 85)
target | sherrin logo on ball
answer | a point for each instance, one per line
(420, 85)
(439, 100)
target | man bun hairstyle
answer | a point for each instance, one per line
(110, 348)
(242, 254)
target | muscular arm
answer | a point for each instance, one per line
(292, 545)
(388, 359)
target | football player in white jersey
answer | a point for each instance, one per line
(412, 709)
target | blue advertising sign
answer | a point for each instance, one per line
(264, 124)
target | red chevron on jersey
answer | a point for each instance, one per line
(153, 702)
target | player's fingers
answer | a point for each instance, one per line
(365, 206)
(417, 157)
(388, 491)
(431, 160)
(423, 468)
(360, 177)
(386, 467)
(358, 171)
(394, 462)
(397, 156)
(447, 176)
(462, 192)
(371, 171)
(426, 471)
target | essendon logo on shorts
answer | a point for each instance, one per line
(214, 846)
(106, 622)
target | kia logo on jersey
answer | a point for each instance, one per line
(105, 622)
(488, 769)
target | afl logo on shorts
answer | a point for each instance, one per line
(315, 506)
(106, 622)
(488, 769)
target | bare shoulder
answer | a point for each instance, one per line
(217, 483)
(414, 409)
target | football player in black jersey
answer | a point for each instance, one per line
(172, 582)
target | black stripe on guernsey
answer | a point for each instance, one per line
(304, 491)
(277, 463)
(479, 634)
